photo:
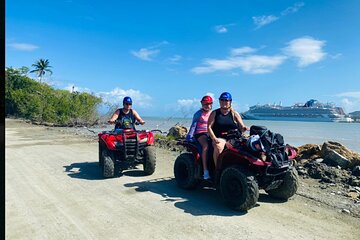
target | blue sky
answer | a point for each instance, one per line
(167, 54)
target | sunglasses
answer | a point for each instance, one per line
(224, 100)
(128, 104)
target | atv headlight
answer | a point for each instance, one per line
(144, 140)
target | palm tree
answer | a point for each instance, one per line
(41, 67)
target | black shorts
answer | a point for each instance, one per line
(196, 136)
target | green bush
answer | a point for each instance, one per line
(27, 98)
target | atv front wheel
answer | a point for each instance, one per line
(149, 160)
(108, 167)
(238, 188)
(288, 187)
(184, 171)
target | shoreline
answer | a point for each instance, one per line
(337, 194)
(89, 133)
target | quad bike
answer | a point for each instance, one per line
(240, 170)
(123, 149)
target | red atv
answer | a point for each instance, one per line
(243, 169)
(123, 149)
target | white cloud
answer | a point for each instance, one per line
(239, 59)
(241, 51)
(186, 102)
(148, 53)
(261, 21)
(350, 105)
(189, 106)
(350, 101)
(221, 29)
(116, 96)
(306, 50)
(292, 9)
(349, 94)
(145, 54)
(23, 46)
(175, 59)
(72, 88)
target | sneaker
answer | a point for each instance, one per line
(206, 175)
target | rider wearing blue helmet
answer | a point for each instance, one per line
(125, 117)
(222, 120)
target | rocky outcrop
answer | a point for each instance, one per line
(332, 158)
(335, 153)
(332, 163)
(177, 132)
(308, 152)
(169, 145)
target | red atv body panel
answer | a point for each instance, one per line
(112, 139)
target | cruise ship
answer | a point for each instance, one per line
(312, 111)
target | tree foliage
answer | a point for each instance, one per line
(40, 102)
(41, 68)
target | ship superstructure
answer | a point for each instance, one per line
(312, 111)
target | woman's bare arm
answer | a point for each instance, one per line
(240, 121)
(211, 122)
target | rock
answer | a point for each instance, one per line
(353, 195)
(345, 211)
(319, 160)
(356, 171)
(178, 131)
(301, 170)
(353, 181)
(308, 151)
(352, 156)
(328, 174)
(333, 158)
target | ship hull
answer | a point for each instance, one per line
(301, 119)
(296, 118)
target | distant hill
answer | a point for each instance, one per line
(355, 114)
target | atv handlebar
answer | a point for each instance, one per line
(118, 121)
(233, 133)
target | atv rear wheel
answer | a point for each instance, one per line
(184, 171)
(108, 167)
(238, 188)
(149, 160)
(101, 154)
(288, 187)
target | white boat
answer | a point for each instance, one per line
(312, 111)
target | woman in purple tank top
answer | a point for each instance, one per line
(198, 130)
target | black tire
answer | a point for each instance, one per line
(149, 160)
(239, 188)
(288, 187)
(185, 171)
(108, 168)
(101, 154)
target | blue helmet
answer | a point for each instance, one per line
(225, 96)
(127, 100)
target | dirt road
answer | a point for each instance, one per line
(54, 190)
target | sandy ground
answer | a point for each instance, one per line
(54, 190)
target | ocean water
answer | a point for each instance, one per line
(295, 133)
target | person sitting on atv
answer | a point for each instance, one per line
(221, 121)
(126, 117)
(198, 130)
